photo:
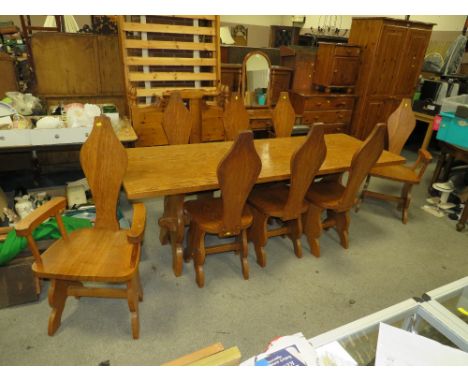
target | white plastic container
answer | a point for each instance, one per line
(450, 104)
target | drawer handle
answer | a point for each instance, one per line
(340, 104)
(316, 118)
(335, 71)
(56, 136)
(318, 104)
(340, 116)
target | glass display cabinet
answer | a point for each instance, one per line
(437, 315)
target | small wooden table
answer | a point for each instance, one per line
(176, 170)
(429, 119)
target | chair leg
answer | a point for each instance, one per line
(295, 232)
(258, 235)
(198, 237)
(140, 288)
(362, 194)
(406, 199)
(188, 252)
(57, 297)
(244, 253)
(132, 299)
(342, 225)
(313, 228)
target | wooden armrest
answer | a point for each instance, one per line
(135, 235)
(53, 207)
(424, 155)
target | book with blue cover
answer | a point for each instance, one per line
(283, 357)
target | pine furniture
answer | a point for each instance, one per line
(176, 170)
(102, 254)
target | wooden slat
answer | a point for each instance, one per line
(141, 92)
(167, 28)
(196, 356)
(228, 357)
(170, 61)
(199, 17)
(182, 45)
(171, 76)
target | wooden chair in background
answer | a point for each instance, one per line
(284, 116)
(177, 121)
(229, 214)
(336, 198)
(401, 123)
(104, 253)
(286, 202)
(235, 117)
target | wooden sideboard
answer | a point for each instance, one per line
(334, 110)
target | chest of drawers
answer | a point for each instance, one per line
(334, 110)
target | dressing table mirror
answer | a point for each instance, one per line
(256, 78)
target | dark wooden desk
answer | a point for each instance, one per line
(176, 170)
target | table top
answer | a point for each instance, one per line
(179, 169)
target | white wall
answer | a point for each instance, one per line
(253, 20)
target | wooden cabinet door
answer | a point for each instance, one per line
(304, 73)
(411, 61)
(387, 58)
(344, 71)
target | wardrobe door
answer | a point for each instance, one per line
(387, 58)
(411, 61)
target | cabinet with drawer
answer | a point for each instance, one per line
(337, 66)
(334, 110)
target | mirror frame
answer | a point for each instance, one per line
(244, 78)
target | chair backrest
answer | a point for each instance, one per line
(363, 160)
(237, 173)
(283, 116)
(400, 125)
(235, 117)
(305, 163)
(177, 121)
(104, 162)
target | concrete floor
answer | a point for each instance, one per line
(387, 262)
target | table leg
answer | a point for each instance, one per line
(172, 229)
(428, 136)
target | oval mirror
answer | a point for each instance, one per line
(256, 79)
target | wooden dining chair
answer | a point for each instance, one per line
(235, 117)
(227, 215)
(400, 125)
(104, 253)
(284, 116)
(177, 121)
(337, 199)
(287, 202)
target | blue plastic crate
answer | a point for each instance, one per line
(453, 130)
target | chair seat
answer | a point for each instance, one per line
(325, 194)
(89, 254)
(208, 214)
(397, 172)
(272, 200)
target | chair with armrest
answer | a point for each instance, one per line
(227, 215)
(337, 199)
(287, 202)
(104, 253)
(400, 125)
(284, 116)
